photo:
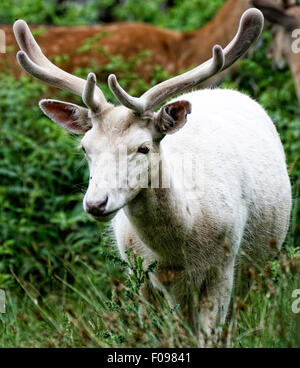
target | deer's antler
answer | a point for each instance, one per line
(35, 63)
(250, 28)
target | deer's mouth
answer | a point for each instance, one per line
(106, 216)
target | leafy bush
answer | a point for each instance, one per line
(185, 15)
(40, 197)
(49, 12)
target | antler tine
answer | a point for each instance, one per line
(133, 103)
(169, 88)
(250, 28)
(166, 89)
(33, 61)
(50, 76)
(88, 95)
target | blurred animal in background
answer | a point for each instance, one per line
(93, 46)
(285, 49)
(197, 225)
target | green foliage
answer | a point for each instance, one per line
(147, 11)
(52, 11)
(84, 314)
(40, 188)
(138, 275)
(36, 11)
(184, 15)
(263, 315)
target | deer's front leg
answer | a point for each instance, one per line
(178, 290)
(204, 306)
(214, 303)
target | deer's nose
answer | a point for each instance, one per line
(96, 208)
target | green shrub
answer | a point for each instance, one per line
(185, 15)
(41, 183)
(50, 12)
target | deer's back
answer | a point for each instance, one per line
(242, 174)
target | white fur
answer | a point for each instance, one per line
(242, 204)
(237, 201)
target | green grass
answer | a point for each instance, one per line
(65, 283)
(98, 310)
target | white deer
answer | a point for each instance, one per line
(237, 204)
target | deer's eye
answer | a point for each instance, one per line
(144, 150)
(83, 149)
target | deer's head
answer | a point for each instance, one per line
(119, 141)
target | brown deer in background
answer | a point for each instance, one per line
(173, 50)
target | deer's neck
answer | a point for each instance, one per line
(161, 217)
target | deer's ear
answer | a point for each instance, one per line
(276, 15)
(172, 117)
(71, 117)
